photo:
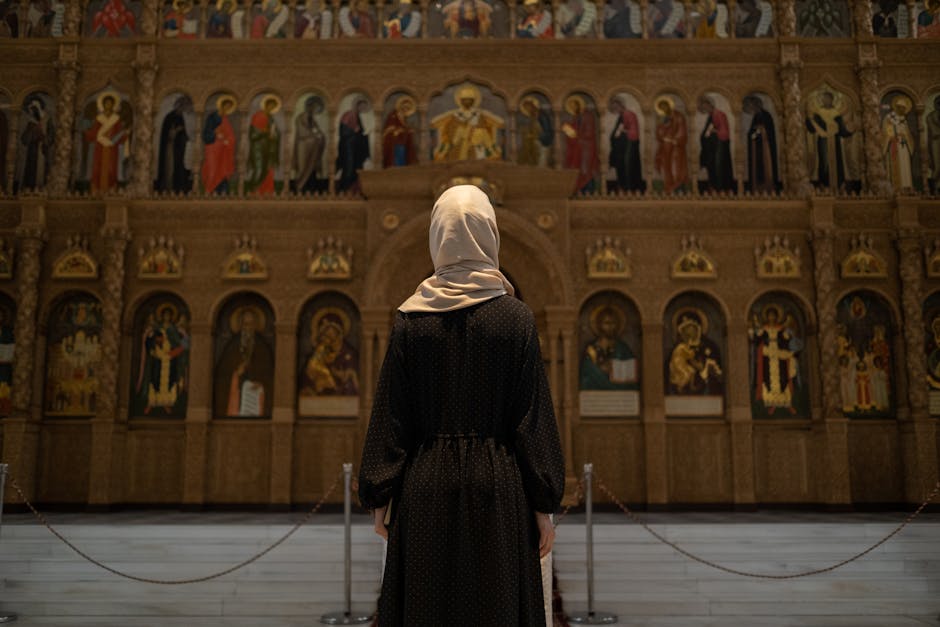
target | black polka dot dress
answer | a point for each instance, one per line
(463, 436)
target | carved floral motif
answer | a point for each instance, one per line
(76, 262)
(777, 259)
(608, 258)
(331, 259)
(244, 263)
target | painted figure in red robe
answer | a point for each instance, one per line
(106, 136)
(672, 135)
(218, 136)
(114, 18)
(581, 144)
(398, 137)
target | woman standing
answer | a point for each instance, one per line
(464, 438)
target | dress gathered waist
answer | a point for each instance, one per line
(435, 438)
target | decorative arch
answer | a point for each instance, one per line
(329, 335)
(609, 350)
(73, 356)
(159, 384)
(244, 359)
(694, 353)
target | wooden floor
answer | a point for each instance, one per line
(642, 581)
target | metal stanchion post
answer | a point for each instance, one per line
(347, 616)
(5, 617)
(590, 617)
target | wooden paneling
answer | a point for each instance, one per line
(699, 455)
(154, 465)
(783, 464)
(617, 452)
(875, 462)
(239, 462)
(320, 449)
(64, 462)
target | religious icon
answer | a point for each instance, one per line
(899, 141)
(226, 20)
(244, 348)
(356, 125)
(833, 146)
(220, 145)
(865, 333)
(536, 22)
(467, 19)
(9, 19)
(73, 357)
(76, 261)
(823, 18)
(399, 135)
(175, 145)
(932, 351)
(694, 376)
(607, 258)
(672, 163)
(753, 18)
(357, 19)
(716, 172)
(932, 124)
(404, 22)
(112, 18)
(328, 368)
(36, 140)
(609, 371)
(862, 260)
(889, 18)
(106, 133)
(777, 259)
(313, 20)
(244, 262)
(469, 131)
(579, 125)
(264, 172)
(268, 19)
(161, 259)
(693, 262)
(331, 259)
(7, 351)
(709, 19)
(666, 19)
(623, 125)
(761, 138)
(928, 19)
(576, 19)
(160, 367)
(45, 18)
(776, 334)
(181, 20)
(309, 166)
(535, 130)
(623, 19)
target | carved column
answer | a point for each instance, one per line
(424, 135)
(72, 24)
(282, 419)
(102, 479)
(513, 12)
(655, 436)
(287, 150)
(145, 71)
(797, 175)
(867, 70)
(198, 414)
(21, 430)
(835, 425)
(68, 69)
(198, 150)
(741, 423)
(861, 15)
(918, 433)
(13, 124)
(644, 23)
(786, 18)
(148, 18)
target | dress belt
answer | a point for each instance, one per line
(445, 437)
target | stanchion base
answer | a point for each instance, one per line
(344, 618)
(592, 618)
(7, 618)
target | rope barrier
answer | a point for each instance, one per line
(632, 516)
(175, 582)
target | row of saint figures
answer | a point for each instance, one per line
(663, 146)
(695, 371)
(468, 19)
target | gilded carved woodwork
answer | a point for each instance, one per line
(823, 242)
(116, 238)
(31, 241)
(912, 308)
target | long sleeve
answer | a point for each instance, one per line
(537, 445)
(386, 448)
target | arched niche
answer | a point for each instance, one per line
(73, 356)
(779, 384)
(866, 355)
(609, 345)
(160, 358)
(328, 363)
(694, 347)
(244, 343)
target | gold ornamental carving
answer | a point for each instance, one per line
(6, 260)
(932, 259)
(161, 259)
(76, 262)
(863, 261)
(693, 262)
(777, 258)
(244, 263)
(330, 260)
(608, 258)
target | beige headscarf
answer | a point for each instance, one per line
(464, 244)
